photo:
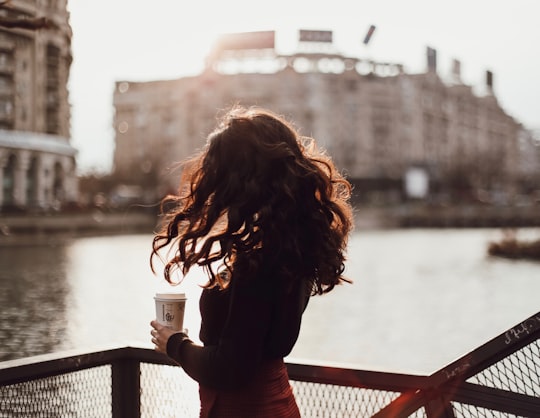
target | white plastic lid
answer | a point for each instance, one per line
(170, 296)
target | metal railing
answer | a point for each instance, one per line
(499, 379)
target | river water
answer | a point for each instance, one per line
(420, 298)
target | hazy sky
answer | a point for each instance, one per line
(163, 39)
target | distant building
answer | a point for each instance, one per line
(376, 121)
(528, 172)
(37, 162)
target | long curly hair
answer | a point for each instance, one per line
(258, 198)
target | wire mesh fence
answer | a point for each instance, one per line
(333, 401)
(166, 392)
(519, 372)
(472, 411)
(80, 394)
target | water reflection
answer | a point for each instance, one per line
(33, 295)
(420, 298)
(112, 289)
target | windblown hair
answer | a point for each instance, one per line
(259, 197)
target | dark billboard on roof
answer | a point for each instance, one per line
(246, 40)
(431, 58)
(315, 35)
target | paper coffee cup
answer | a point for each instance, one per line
(170, 308)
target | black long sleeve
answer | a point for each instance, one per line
(239, 351)
(255, 324)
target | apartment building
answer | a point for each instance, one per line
(37, 162)
(376, 120)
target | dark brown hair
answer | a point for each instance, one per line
(259, 197)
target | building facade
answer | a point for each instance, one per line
(37, 162)
(376, 120)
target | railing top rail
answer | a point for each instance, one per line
(389, 381)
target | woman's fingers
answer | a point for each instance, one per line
(160, 335)
(159, 339)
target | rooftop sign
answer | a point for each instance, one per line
(246, 40)
(315, 35)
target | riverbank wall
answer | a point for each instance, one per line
(366, 217)
(425, 216)
(24, 227)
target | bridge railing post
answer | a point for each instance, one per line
(126, 388)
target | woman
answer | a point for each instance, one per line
(267, 216)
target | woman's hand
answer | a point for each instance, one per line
(160, 336)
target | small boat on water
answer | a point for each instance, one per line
(511, 247)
